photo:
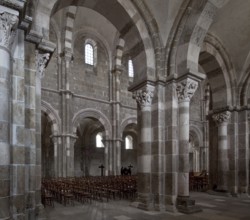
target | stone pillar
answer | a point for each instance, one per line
(70, 156)
(158, 148)
(8, 25)
(171, 149)
(221, 120)
(57, 145)
(116, 121)
(243, 151)
(68, 139)
(144, 98)
(185, 91)
(41, 62)
(108, 157)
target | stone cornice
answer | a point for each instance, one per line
(18, 5)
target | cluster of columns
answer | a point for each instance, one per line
(162, 166)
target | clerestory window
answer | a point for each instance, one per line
(89, 54)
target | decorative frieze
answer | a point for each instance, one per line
(8, 26)
(222, 117)
(143, 97)
(41, 62)
(186, 89)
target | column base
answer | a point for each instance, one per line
(40, 212)
(187, 205)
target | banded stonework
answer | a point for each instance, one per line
(185, 89)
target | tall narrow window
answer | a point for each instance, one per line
(89, 54)
(130, 69)
(99, 143)
(128, 142)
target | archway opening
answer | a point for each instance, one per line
(89, 148)
(129, 148)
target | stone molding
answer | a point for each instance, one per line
(15, 4)
(144, 96)
(222, 117)
(185, 89)
(8, 27)
(41, 62)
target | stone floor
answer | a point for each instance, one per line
(214, 207)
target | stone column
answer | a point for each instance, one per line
(108, 157)
(116, 122)
(41, 62)
(221, 120)
(144, 98)
(171, 149)
(8, 25)
(243, 149)
(57, 145)
(185, 91)
(70, 156)
(68, 138)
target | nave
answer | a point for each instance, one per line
(213, 207)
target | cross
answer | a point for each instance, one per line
(101, 167)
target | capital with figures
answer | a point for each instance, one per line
(8, 27)
(144, 96)
(185, 89)
(222, 117)
(41, 62)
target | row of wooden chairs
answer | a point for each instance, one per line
(198, 181)
(86, 189)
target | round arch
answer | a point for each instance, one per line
(197, 133)
(128, 15)
(194, 22)
(224, 70)
(125, 122)
(92, 113)
(52, 116)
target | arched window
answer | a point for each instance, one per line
(99, 143)
(130, 69)
(89, 54)
(128, 142)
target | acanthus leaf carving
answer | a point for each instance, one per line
(8, 26)
(186, 89)
(41, 62)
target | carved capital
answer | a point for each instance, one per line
(41, 62)
(8, 27)
(144, 97)
(186, 89)
(222, 117)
